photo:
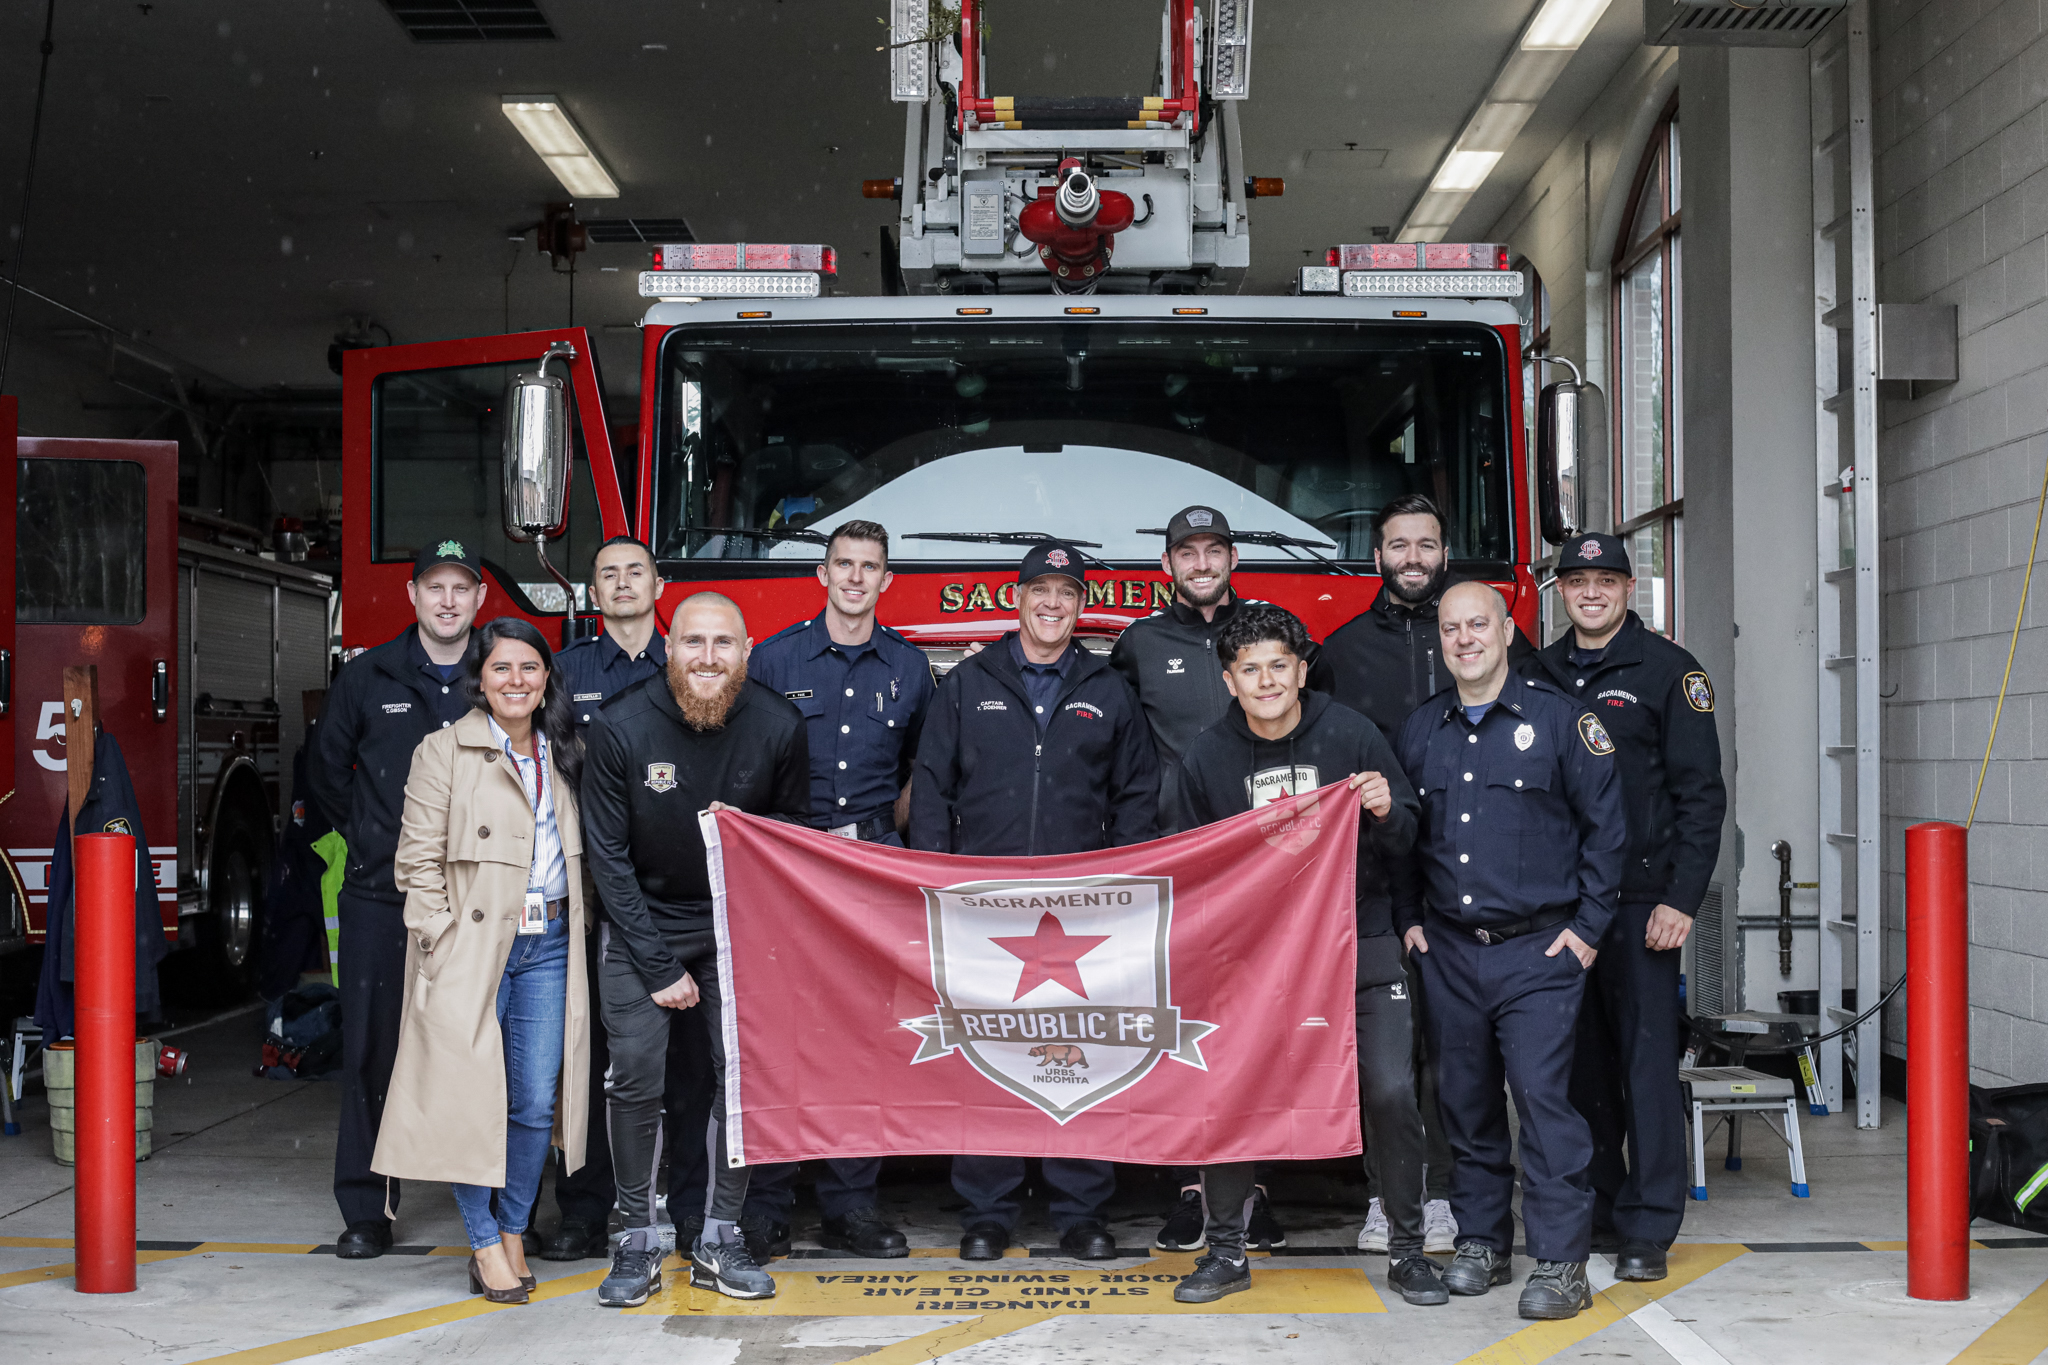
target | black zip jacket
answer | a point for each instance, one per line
(1386, 661)
(988, 782)
(382, 704)
(1229, 770)
(1658, 703)
(1169, 659)
(646, 775)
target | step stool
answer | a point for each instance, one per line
(1729, 1092)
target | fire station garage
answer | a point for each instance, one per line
(1642, 402)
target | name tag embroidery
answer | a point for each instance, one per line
(804, 695)
(397, 708)
(587, 696)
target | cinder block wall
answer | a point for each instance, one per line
(1960, 122)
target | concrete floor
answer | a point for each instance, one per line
(236, 1199)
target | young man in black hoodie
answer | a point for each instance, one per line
(1277, 741)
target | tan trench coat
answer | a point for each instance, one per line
(464, 854)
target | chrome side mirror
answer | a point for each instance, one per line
(1571, 430)
(537, 451)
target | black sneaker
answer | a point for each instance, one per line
(1213, 1278)
(864, 1232)
(690, 1230)
(1414, 1277)
(1477, 1268)
(729, 1268)
(1556, 1289)
(635, 1274)
(1262, 1232)
(765, 1237)
(1187, 1227)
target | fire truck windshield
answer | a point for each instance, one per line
(1087, 431)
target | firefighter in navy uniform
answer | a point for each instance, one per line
(625, 585)
(382, 704)
(1519, 857)
(1035, 746)
(1658, 704)
(863, 690)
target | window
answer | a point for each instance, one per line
(1649, 470)
(1534, 310)
(81, 534)
(439, 446)
(1082, 430)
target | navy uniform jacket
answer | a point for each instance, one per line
(1658, 703)
(596, 668)
(990, 782)
(383, 703)
(1521, 814)
(863, 706)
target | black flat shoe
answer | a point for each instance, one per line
(364, 1241)
(984, 1242)
(1641, 1261)
(1088, 1242)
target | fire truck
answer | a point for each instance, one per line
(1061, 350)
(205, 649)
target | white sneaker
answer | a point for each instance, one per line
(1439, 1228)
(1373, 1236)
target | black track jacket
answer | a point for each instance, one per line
(1658, 703)
(987, 782)
(382, 704)
(647, 774)
(1229, 770)
(1388, 660)
(1169, 659)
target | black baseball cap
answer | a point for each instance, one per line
(448, 551)
(1052, 556)
(1197, 521)
(1594, 550)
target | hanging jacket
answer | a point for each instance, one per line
(1229, 770)
(988, 781)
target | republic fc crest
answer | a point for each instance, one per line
(1057, 989)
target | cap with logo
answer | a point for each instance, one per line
(1052, 556)
(1594, 550)
(438, 552)
(1197, 521)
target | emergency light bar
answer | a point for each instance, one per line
(1419, 256)
(728, 284)
(1230, 51)
(1457, 270)
(1443, 284)
(746, 256)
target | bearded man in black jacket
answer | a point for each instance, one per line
(1277, 741)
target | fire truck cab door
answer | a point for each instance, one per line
(13, 895)
(93, 579)
(422, 436)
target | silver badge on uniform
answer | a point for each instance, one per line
(1525, 735)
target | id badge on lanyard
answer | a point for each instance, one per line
(533, 916)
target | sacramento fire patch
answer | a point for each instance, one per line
(661, 777)
(1699, 693)
(1056, 989)
(1595, 735)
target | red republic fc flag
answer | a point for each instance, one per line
(1179, 1002)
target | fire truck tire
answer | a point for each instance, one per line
(231, 929)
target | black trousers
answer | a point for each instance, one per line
(1436, 1150)
(1625, 1084)
(372, 962)
(1505, 1013)
(1394, 1141)
(586, 1195)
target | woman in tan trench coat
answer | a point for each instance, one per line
(494, 1045)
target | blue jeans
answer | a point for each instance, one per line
(532, 1007)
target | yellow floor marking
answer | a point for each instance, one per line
(2016, 1338)
(1689, 1261)
(70, 1268)
(952, 1337)
(398, 1326)
(1018, 1292)
(64, 1242)
(260, 1248)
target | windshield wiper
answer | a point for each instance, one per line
(1277, 541)
(809, 537)
(1011, 538)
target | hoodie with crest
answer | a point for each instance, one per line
(1229, 770)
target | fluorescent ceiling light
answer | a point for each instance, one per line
(1464, 170)
(1563, 23)
(549, 130)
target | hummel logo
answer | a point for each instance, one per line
(1174, 666)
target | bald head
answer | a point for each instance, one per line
(1474, 629)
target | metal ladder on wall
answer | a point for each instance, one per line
(1845, 437)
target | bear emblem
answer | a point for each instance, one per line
(1059, 1054)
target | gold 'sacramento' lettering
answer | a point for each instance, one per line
(1162, 595)
(1007, 596)
(979, 599)
(1134, 592)
(951, 596)
(1101, 594)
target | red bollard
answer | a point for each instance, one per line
(1937, 1061)
(104, 1216)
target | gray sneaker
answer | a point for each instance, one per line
(1476, 1269)
(635, 1274)
(1556, 1289)
(729, 1268)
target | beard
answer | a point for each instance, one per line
(700, 712)
(1431, 588)
(1188, 597)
